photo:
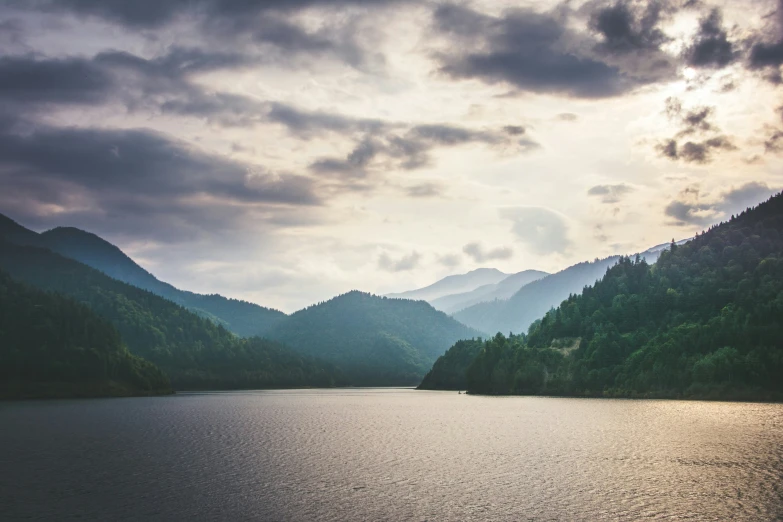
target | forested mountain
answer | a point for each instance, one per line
(448, 372)
(243, 318)
(704, 321)
(52, 346)
(454, 284)
(375, 340)
(533, 300)
(501, 290)
(193, 351)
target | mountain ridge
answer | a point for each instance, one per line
(375, 339)
(242, 317)
(454, 283)
(501, 290)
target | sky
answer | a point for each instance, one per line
(284, 152)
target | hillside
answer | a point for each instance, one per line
(448, 372)
(243, 318)
(375, 340)
(194, 352)
(52, 346)
(454, 284)
(502, 290)
(704, 321)
(533, 300)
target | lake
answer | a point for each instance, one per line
(388, 454)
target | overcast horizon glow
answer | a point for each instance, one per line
(285, 152)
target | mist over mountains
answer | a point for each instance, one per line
(702, 322)
(211, 342)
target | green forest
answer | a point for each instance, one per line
(241, 317)
(703, 322)
(53, 346)
(376, 340)
(448, 372)
(194, 352)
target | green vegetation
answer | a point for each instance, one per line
(703, 322)
(448, 372)
(377, 341)
(194, 352)
(242, 318)
(533, 300)
(52, 346)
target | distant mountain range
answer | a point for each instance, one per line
(534, 299)
(355, 338)
(501, 290)
(704, 322)
(454, 284)
(194, 352)
(243, 318)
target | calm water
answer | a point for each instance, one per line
(388, 455)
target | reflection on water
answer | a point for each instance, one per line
(369, 454)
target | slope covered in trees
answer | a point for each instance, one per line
(448, 372)
(375, 340)
(52, 346)
(704, 321)
(241, 317)
(194, 352)
(534, 299)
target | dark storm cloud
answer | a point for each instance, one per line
(693, 123)
(610, 193)
(253, 26)
(539, 52)
(689, 210)
(524, 49)
(711, 47)
(766, 52)
(410, 149)
(356, 162)
(773, 143)
(695, 151)
(307, 123)
(113, 76)
(141, 161)
(163, 84)
(71, 80)
(137, 173)
(626, 27)
(150, 14)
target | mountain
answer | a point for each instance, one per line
(501, 290)
(454, 284)
(194, 352)
(376, 340)
(243, 318)
(703, 322)
(448, 372)
(52, 346)
(534, 299)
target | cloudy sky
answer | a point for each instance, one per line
(287, 151)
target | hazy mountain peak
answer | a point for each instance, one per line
(455, 283)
